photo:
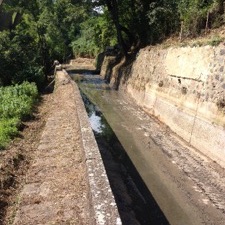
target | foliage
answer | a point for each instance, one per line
(42, 31)
(142, 22)
(16, 103)
(8, 129)
(197, 15)
(105, 31)
(163, 19)
(85, 44)
(95, 34)
(214, 41)
(20, 56)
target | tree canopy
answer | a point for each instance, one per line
(34, 33)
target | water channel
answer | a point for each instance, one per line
(140, 175)
(135, 203)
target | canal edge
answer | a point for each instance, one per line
(104, 208)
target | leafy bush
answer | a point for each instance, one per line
(85, 45)
(8, 129)
(16, 103)
(95, 34)
(19, 57)
(197, 15)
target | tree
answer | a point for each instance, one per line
(43, 32)
(163, 19)
(197, 15)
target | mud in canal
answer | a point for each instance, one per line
(187, 187)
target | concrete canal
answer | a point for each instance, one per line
(143, 160)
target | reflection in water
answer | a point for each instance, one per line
(95, 121)
(138, 158)
(96, 118)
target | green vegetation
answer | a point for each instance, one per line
(215, 40)
(96, 33)
(41, 31)
(16, 104)
(135, 24)
(198, 15)
(35, 33)
(44, 32)
(8, 130)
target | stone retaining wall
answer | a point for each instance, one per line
(185, 89)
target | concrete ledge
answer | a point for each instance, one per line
(104, 206)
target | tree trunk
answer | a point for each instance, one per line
(113, 9)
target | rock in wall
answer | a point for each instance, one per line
(185, 89)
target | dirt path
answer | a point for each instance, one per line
(56, 186)
(15, 160)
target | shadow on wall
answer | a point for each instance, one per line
(107, 66)
(125, 70)
(117, 69)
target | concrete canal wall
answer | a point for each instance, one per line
(185, 89)
(104, 208)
